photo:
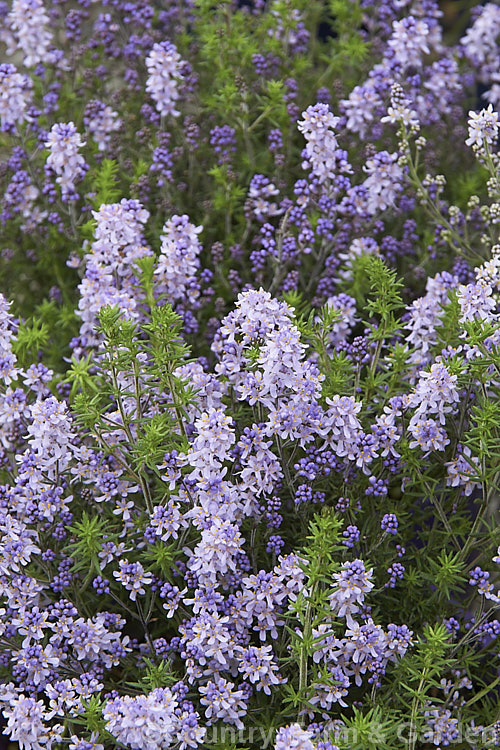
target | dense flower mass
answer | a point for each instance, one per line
(249, 375)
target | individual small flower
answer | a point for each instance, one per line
(133, 577)
(164, 67)
(63, 143)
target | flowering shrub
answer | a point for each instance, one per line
(249, 357)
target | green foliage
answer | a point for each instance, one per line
(446, 572)
(92, 719)
(89, 533)
(106, 182)
(374, 730)
(161, 558)
(32, 336)
(158, 675)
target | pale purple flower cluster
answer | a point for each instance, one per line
(216, 554)
(346, 307)
(150, 722)
(133, 577)
(409, 41)
(476, 302)
(424, 316)
(101, 121)
(15, 96)
(110, 271)
(483, 128)
(257, 665)
(463, 471)
(30, 23)
(222, 702)
(50, 450)
(295, 737)
(64, 159)
(480, 45)
(178, 263)
(435, 393)
(8, 360)
(260, 198)
(383, 183)
(164, 68)
(317, 126)
(281, 379)
(412, 41)
(353, 582)
(343, 426)
(365, 648)
(25, 723)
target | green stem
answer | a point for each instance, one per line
(412, 739)
(304, 651)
